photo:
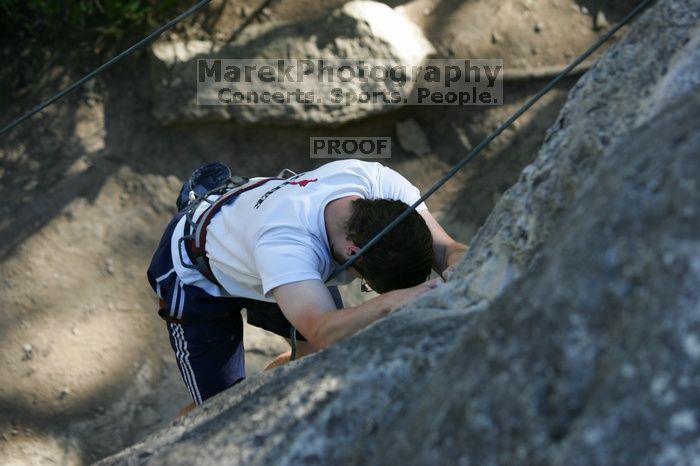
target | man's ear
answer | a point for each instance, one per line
(351, 249)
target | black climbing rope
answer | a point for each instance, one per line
(146, 40)
(474, 152)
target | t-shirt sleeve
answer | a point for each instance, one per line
(392, 185)
(283, 260)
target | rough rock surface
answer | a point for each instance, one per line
(626, 88)
(412, 138)
(592, 356)
(359, 29)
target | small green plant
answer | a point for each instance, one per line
(47, 19)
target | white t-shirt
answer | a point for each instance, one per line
(276, 234)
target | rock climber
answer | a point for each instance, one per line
(269, 244)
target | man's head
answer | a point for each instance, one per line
(403, 258)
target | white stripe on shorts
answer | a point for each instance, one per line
(160, 279)
(175, 296)
(183, 355)
(165, 275)
(181, 307)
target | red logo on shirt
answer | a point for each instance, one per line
(303, 183)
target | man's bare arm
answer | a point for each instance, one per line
(447, 252)
(309, 306)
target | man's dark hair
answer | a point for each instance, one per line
(403, 258)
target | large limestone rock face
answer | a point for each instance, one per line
(627, 87)
(358, 30)
(571, 333)
(593, 358)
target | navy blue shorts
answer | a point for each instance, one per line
(207, 334)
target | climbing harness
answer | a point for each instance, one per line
(197, 190)
(194, 238)
(194, 192)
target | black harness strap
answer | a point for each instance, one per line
(195, 234)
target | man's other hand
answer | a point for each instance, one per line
(398, 298)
